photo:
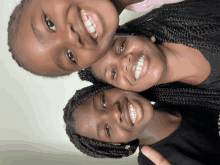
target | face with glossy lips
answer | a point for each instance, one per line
(57, 37)
(132, 63)
(113, 115)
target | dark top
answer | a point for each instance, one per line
(195, 142)
(213, 81)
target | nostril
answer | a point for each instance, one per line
(80, 41)
(72, 29)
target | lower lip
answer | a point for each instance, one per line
(139, 111)
(99, 25)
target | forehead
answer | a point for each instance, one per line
(37, 58)
(85, 120)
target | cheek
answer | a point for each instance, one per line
(122, 83)
(124, 137)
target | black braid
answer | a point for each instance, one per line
(88, 146)
(184, 94)
(173, 93)
(13, 24)
(177, 23)
(13, 27)
(187, 23)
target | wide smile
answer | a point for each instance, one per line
(89, 24)
(132, 112)
(93, 24)
(140, 67)
(135, 111)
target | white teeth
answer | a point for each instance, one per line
(133, 113)
(139, 67)
(92, 29)
(90, 26)
(88, 22)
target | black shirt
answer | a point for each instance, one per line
(195, 142)
(213, 81)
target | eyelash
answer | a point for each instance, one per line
(70, 55)
(120, 51)
(47, 20)
(122, 47)
(103, 103)
(114, 73)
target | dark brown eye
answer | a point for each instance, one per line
(103, 103)
(50, 24)
(122, 48)
(70, 55)
(114, 73)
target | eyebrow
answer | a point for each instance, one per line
(98, 128)
(94, 104)
(105, 71)
(37, 32)
(97, 125)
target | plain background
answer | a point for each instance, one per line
(32, 130)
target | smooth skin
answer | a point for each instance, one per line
(105, 117)
(52, 39)
(162, 64)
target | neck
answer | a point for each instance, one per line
(184, 64)
(161, 126)
(121, 4)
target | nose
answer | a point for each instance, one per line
(126, 62)
(113, 115)
(72, 36)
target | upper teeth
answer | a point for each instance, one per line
(89, 24)
(139, 67)
(133, 113)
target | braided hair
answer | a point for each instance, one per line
(188, 22)
(88, 146)
(172, 93)
(13, 25)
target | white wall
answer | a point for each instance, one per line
(31, 116)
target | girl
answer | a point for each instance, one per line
(182, 45)
(57, 37)
(111, 123)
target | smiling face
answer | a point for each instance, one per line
(57, 37)
(109, 116)
(132, 63)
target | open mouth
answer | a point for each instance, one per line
(89, 24)
(132, 112)
(137, 69)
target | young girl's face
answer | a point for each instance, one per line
(57, 37)
(107, 116)
(132, 63)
